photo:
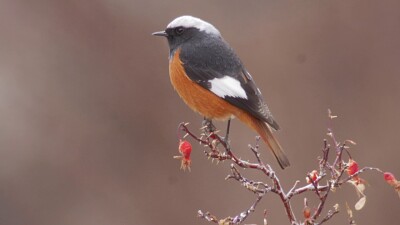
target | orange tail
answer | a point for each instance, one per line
(266, 134)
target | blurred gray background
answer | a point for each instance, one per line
(88, 117)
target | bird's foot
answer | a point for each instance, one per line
(227, 142)
(208, 126)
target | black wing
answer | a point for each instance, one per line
(204, 62)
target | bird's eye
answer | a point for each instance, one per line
(179, 30)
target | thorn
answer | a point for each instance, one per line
(330, 114)
(184, 136)
(336, 207)
(349, 211)
(187, 123)
(351, 142)
(265, 217)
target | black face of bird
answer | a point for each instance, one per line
(178, 35)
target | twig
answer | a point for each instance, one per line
(322, 203)
(207, 216)
(329, 215)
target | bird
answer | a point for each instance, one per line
(211, 79)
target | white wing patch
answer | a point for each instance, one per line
(227, 86)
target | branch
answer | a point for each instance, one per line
(318, 181)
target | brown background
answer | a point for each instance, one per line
(88, 116)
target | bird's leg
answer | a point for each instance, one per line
(226, 138)
(227, 130)
(209, 126)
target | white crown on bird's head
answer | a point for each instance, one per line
(190, 21)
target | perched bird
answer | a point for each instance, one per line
(211, 79)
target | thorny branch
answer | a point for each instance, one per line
(320, 182)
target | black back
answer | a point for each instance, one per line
(206, 57)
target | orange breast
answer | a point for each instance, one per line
(196, 97)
